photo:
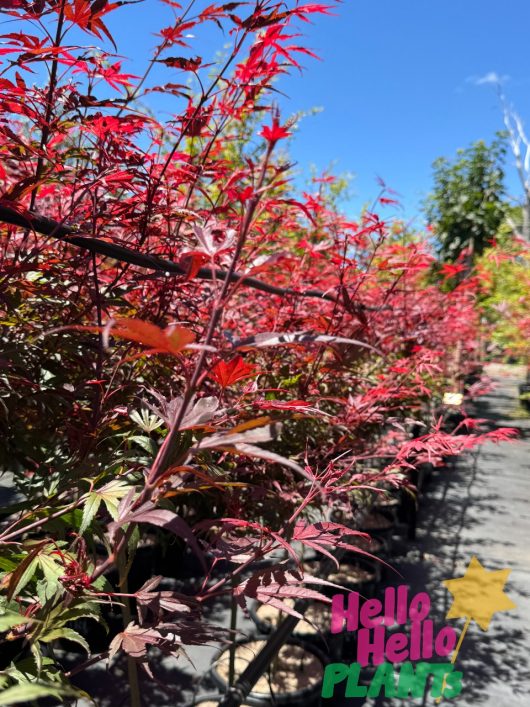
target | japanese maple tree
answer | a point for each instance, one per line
(191, 350)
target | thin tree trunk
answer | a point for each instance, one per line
(526, 219)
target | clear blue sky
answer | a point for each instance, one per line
(399, 83)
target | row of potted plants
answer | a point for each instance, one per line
(294, 675)
(197, 359)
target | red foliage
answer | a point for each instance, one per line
(230, 372)
(187, 238)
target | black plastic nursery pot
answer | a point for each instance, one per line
(315, 627)
(473, 377)
(355, 573)
(294, 678)
(380, 522)
(212, 700)
(407, 511)
(524, 394)
(376, 545)
(389, 501)
(425, 471)
(453, 417)
(419, 476)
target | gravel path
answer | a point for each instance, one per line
(482, 507)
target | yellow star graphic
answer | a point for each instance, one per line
(478, 594)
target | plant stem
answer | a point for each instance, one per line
(132, 668)
(233, 629)
(45, 134)
(86, 664)
(36, 524)
(165, 454)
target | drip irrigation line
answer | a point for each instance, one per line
(71, 234)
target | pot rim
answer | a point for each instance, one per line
(282, 697)
(266, 628)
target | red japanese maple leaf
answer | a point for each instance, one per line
(274, 132)
(229, 372)
(171, 340)
(450, 270)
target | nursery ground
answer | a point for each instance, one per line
(480, 506)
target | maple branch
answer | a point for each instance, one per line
(46, 127)
(70, 234)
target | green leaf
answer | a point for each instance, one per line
(88, 611)
(89, 511)
(37, 655)
(111, 495)
(29, 691)
(103, 584)
(66, 633)
(146, 443)
(52, 570)
(132, 546)
(7, 565)
(23, 574)
(145, 420)
(10, 619)
(43, 591)
(25, 669)
(290, 382)
(67, 522)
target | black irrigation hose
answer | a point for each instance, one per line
(70, 234)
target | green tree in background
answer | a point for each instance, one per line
(467, 207)
(504, 274)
